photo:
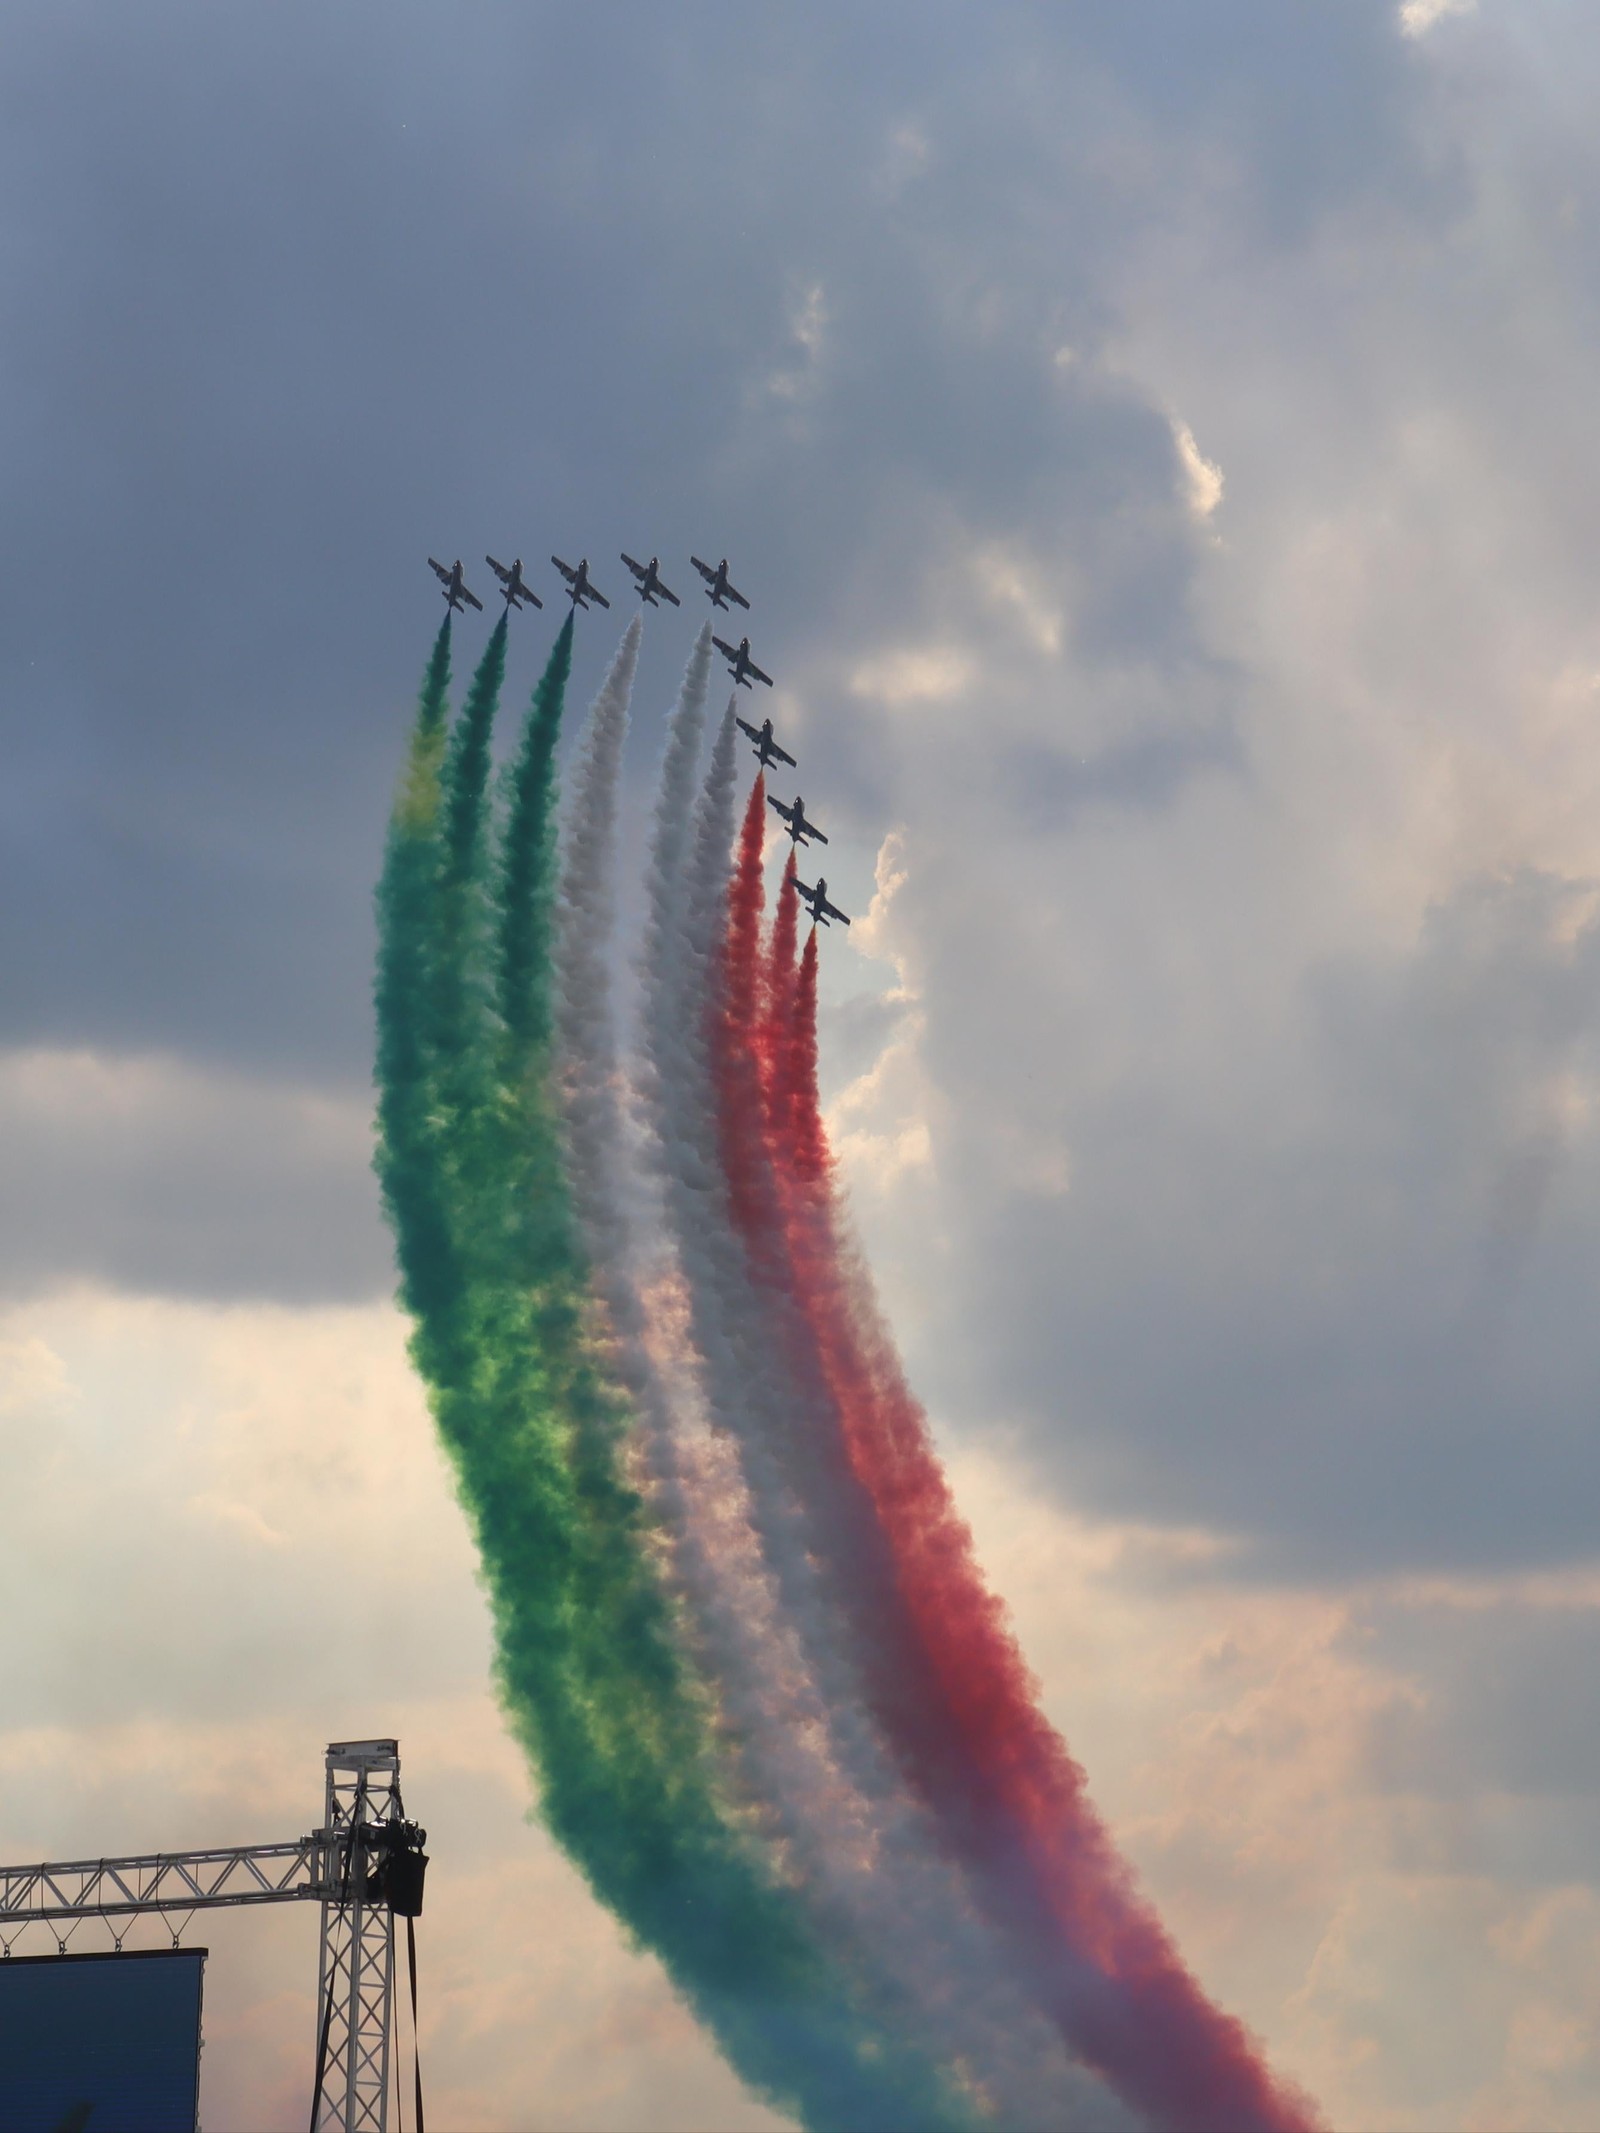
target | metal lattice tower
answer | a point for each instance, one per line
(355, 1971)
(364, 1865)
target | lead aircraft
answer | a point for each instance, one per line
(579, 590)
(817, 900)
(512, 583)
(721, 591)
(650, 582)
(455, 588)
(767, 749)
(795, 817)
(740, 665)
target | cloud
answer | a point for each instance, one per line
(199, 753)
(244, 1544)
(1221, 1084)
(1343, 1306)
(1417, 17)
(1269, 923)
(1410, 1933)
(807, 334)
(1335, 1796)
(162, 1176)
(1202, 480)
(913, 675)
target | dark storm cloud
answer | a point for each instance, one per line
(1049, 789)
(291, 296)
(147, 1176)
(1361, 1319)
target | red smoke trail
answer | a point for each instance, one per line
(810, 1159)
(1180, 2058)
(779, 974)
(736, 1030)
(746, 898)
(1009, 1795)
(843, 1530)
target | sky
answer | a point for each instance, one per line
(1160, 445)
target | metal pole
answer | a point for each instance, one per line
(357, 1919)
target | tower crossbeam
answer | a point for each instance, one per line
(167, 1881)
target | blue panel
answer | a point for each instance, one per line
(101, 2043)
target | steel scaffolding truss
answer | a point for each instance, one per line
(362, 1865)
(355, 1974)
(166, 1881)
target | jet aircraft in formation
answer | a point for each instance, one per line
(513, 584)
(455, 588)
(797, 822)
(721, 591)
(579, 589)
(650, 584)
(816, 900)
(767, 749)
(740, 665)
(795, 817)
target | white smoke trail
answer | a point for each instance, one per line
(864, 1851)
(754, 1665)
(585, 1025)
(864, 1876)
(655, 1367)
(649, 1368)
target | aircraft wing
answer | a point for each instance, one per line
(672, 596)
(745, 726)
(832, 911)
(499, 570)
(472, 596)
(811, 830)
(727, 650)
(638, 569)
(737, 597)
(786, 812)
(704, 569)
(439, 571)
(752, 668)
(600, 596)
(565, 569)
(782, 754)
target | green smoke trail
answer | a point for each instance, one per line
(526, 884)
(492, 1273)
(407, 902)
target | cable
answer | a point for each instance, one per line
(322, 2052)
(416, 2040)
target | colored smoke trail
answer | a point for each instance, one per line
(779, 1721)
(877, 1659)
(590, 1069)
(841, 1530)
(585, 1022)
(524, 881)
(471, 1164)
(1149, 2029)
(863, 1850)
(753, 1657)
